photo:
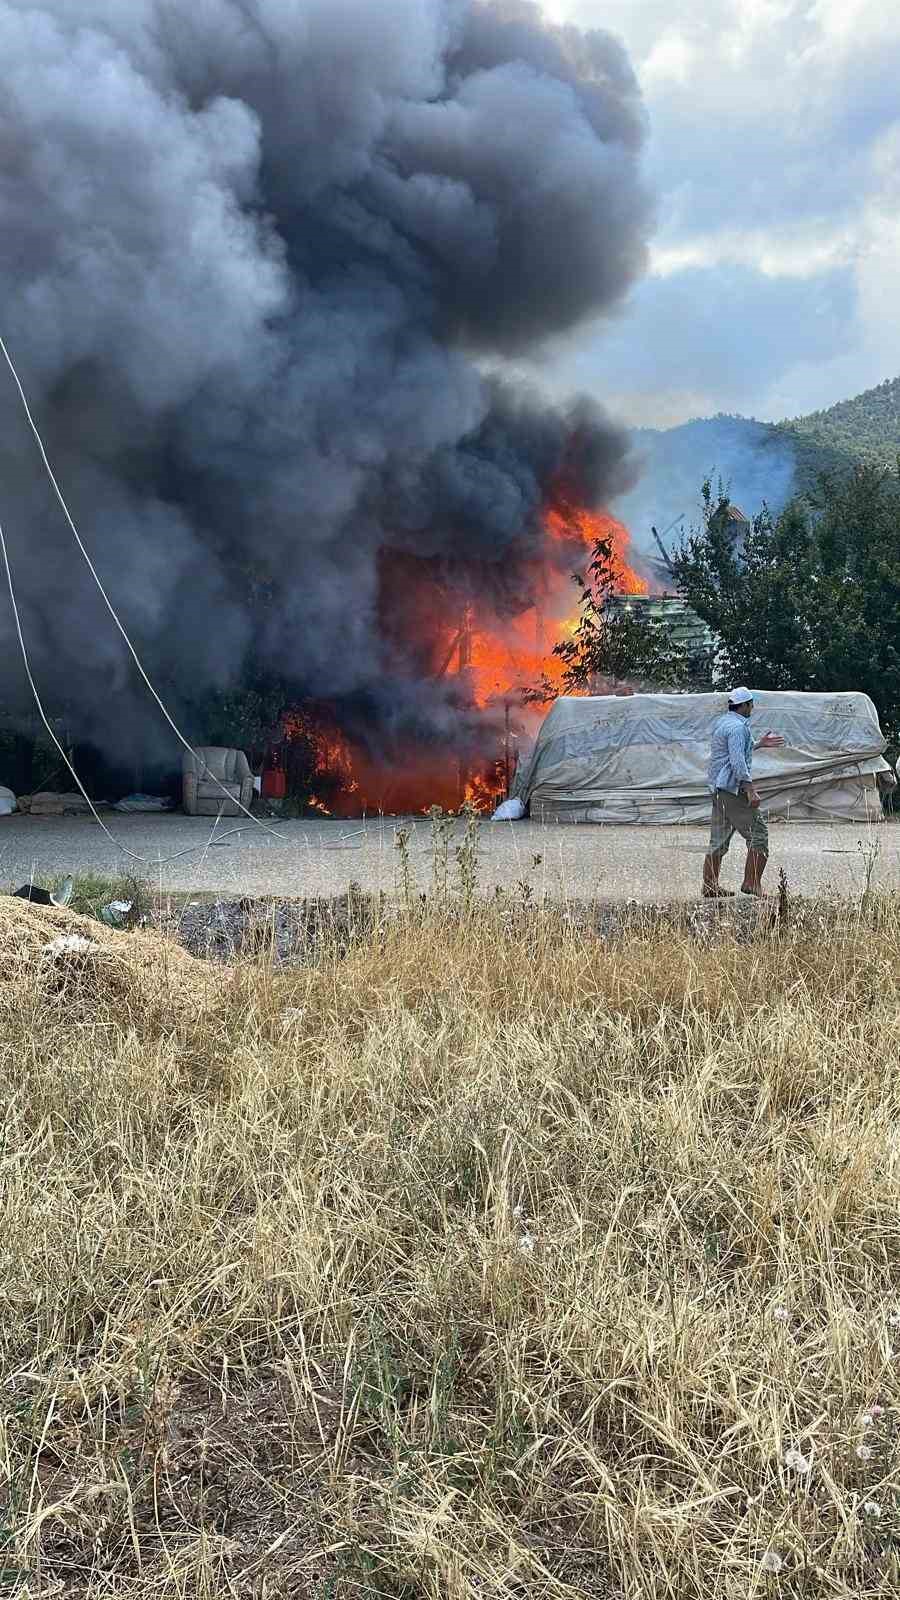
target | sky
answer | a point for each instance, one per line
(774, 153)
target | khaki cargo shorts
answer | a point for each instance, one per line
(731, 814)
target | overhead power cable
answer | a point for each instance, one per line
(133, 855)
(186, 745)
(23, 648)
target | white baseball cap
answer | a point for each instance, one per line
(740, 697)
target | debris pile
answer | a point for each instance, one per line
(289, 932)
(81, 964)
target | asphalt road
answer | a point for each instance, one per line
(323, 857)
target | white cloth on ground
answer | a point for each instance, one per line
(509, 811)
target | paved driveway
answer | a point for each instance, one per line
(323, 857)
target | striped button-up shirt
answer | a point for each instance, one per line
(731, 756)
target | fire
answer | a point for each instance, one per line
(317, 757)
(444, 628)
(567, 521)
(507, 658)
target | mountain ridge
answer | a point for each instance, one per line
(866, 426)
(758, 462)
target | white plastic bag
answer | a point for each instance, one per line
(509, 811)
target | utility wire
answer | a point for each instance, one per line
(133, 855)
(23, 648)
(109, 606)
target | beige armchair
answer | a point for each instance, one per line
(203, 796)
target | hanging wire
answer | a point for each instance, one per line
(186, 745)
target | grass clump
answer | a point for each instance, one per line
(92, 892)
(487, 1257)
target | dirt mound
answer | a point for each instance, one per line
(77, 961)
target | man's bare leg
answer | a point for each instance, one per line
(757, 861)
(712, 889)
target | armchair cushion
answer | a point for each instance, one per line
(207, 772)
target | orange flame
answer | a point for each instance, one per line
(493, 659)
(571, 522)
(512, 656)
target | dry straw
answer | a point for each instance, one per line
(480, 1257)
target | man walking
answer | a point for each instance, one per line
(735, 800)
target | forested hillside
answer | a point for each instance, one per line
(866, 428)
(758, 462)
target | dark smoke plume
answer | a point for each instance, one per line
(254, 257)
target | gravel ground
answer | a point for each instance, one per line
(322, 858)
(298, 931)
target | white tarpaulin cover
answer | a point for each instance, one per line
(644, 758)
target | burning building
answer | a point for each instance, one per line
(258, 255)
(687, 632)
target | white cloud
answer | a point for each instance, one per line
(856, 24)
(796, 251)
(775, 147)
(672, 60)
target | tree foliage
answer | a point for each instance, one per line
(810, 599)
(248, 715)
(612, 645)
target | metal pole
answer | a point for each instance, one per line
(465, 662)
(663, 552)
(506, 746)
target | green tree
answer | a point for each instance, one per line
(614, 644)
(811, 599)
(248, 715)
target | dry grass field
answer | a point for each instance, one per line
(480, 1257)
